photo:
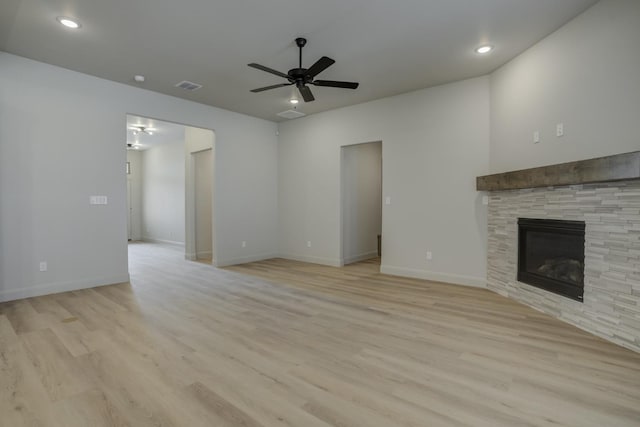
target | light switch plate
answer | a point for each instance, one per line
(98, 200)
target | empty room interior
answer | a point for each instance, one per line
(279, 213)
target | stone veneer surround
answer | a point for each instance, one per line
(611, 211)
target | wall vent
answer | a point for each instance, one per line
(187, 85)
(291, 114)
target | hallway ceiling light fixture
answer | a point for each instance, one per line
(68, 22)
(137, 130)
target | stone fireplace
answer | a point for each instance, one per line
(609, 211)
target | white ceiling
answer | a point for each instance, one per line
(163, 132)
(390, 47)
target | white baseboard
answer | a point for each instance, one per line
(170, 242)
(361, 257)
(55, 288)
(221, 262)
(455, 279)
(333, 262)
(204, 254)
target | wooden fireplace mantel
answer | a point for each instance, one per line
(602, 169)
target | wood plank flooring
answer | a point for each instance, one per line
(284, 343)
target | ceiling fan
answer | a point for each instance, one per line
(142, 129)
(301, 77)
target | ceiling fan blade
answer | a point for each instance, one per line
(268, 70)
(262, 89)
(320, 65)
(332, 83)
(306, 93)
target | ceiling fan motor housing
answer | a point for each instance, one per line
(299, 75)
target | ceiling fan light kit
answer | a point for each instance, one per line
(302, 77)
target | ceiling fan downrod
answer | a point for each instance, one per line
(300, 42)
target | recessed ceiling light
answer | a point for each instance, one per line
(484, 49)
(68, 22)
(293, 101)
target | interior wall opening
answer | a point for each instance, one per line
(167, 165)
(361, 181)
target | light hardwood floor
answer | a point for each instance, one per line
(283, 343)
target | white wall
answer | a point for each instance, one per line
(63, 134)
(163, 193)
(135, 181)
(361, 200)
(585, 75)
(435, 143)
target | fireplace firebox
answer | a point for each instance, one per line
(551, 255)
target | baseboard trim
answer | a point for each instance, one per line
(454, 279)
(332, 262)
(56, 288)
(243, 260)
(169, 242)
(361, 257)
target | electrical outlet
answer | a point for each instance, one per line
(429, 255)
(387, 200)
(308, 243)
(43, 265)
(560, 129)
(243, 244)
(536, 137)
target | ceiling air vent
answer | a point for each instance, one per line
(187, 85)
(291, 114)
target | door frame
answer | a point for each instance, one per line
(192, 181)
(343, 195)
(190, 205)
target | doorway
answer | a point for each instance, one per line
(361, 182)
(200, 195)
(203, 192)
(170, 182)
(129, 204)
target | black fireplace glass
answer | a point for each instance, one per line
(551, 255)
